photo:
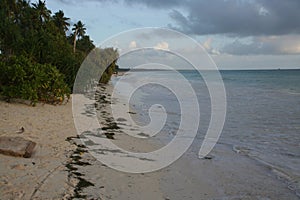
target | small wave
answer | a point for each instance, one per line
(290, 91)
(241, 150)
(291, 181)
(294, 93)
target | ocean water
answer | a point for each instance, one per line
(262, 117)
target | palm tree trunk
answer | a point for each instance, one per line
(74, 43)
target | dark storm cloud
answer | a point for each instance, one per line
(231, 17)
(239, 18)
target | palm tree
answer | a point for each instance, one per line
(42, 11)
(23, 3)
(79, 31)
(61, 21)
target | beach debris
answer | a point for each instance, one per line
(16, 146)
(18, 167)
(111, 125)
(208, 157)
(109, 135)
(21, 130)
(144, 135)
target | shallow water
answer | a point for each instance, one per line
(262, 119)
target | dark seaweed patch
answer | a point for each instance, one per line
(112, 125)
(72, 169)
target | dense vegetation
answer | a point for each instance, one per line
(40, 53)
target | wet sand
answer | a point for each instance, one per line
(62, 168)
(224, 175)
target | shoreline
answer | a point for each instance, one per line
(63, 169)
(224, 175)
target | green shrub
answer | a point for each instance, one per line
(22, 78)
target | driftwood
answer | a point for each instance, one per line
(16, 146)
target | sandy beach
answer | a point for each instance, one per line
(43, 176)
(62, 168)
(149, 100)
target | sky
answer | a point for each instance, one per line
(237, 34)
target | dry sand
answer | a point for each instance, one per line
(43, 176)
(60, 169)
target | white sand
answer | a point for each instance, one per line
(43, 176)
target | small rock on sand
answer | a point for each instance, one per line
(16, 146)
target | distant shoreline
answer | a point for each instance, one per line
(124, 70)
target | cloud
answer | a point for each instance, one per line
(93, 1)
(156, 3)
(272, 26)
(149, 3)
(231, 17)
(208, 47)
(132, 45)
(207, 44)
(238, 17)
(162, 45)
(158, 33)
(267, 45)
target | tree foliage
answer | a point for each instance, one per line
(36, 49)
(21, 78)
(61, 21)
(79, 32)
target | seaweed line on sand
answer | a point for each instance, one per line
(72, 169)
(108, 129)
